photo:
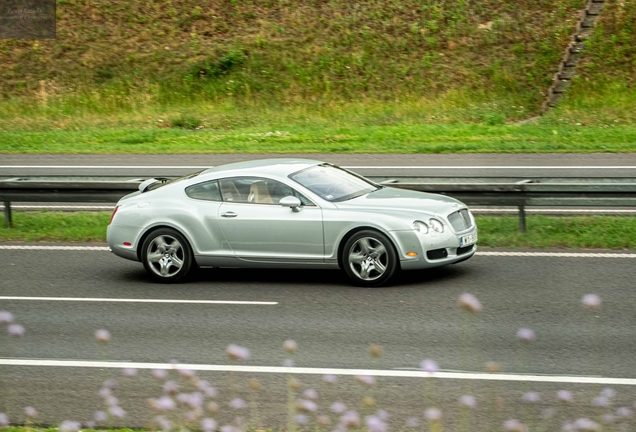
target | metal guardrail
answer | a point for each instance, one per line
(520, 193)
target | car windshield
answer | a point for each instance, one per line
(332, 183)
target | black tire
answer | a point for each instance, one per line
(167, 255)
(369, 258)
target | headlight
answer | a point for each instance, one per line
(420, 227)
(436, 225)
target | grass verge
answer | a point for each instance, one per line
(580, 232)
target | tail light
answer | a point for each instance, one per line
(113, 215)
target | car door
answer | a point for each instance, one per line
(258, 228)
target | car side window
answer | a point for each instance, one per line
(258, 190)
(207, 191)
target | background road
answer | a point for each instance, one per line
(332, 322)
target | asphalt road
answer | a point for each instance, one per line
(333, 323)
(439, 165)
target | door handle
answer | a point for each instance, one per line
(229, 215)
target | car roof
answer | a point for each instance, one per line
(278, 166)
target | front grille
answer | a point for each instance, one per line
(437, 254)
(460, 220)
(463, 250)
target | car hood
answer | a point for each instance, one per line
(389, 198)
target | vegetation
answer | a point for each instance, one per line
(581, 232)
(126, 76)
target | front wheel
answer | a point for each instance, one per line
(166, 255)
(369, 258)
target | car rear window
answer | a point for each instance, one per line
(207, 191)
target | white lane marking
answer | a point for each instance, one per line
(131, 300)
(483, 253)
(436, 167)
(575, 211)
(322, 371)
(559, 254)
(46, 248)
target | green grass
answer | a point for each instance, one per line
(585, 232)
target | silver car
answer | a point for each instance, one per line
(288, 213)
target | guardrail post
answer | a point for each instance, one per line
(8, 219)
(522, 218)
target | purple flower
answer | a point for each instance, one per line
(170, 387)
(514, 425)
(4, 420)
(90, 424)
(112, 401)
(70, 426)
(585, 424)
(531, 397)
(208, 425)
(429, 366)
(160, 373)
(129, 372)
(163, 423)
(330, 379)
(412, 422)
(375, 424)
(608, 392)
(15, 330)
(564, 396)
(468, 401)
(591, 301)
(310, 394)
(338, 408)
(433, 414)
(110, 384)
(228, 428)
(382, 415)
(195, 400)
(608, 418)
(186, 373)
(601, 401)
(624, 412)
(237, 404)
(210, 392)
(568, 427)
(350, 419)
(525, 335)
(6, 317)
(470, 303)
(307, 405)
(104, 393)
(290, 346)
(163, 404)
(289, 363)
(365, 379)
(301, 419)
(236, 352)
(117, 412)
(102, 336)
(30, 412)
(194, 415)
(100, 416)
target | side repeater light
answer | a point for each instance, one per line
(411, 254)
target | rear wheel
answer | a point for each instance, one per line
(166, 255)
(369, 258)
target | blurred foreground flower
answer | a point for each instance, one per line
(531, 397)
(237, 404)
(433, 414)
(4, 420)
(330, 379)
(338, 408)
(6, 317)
(102, 336)
(30, 412)
(160, 373)
(591, 301)
(306, 405)
(365, 379)
(375, 350)
(208, 425)
(514, 425)
(468, 401)
(429, 366)
(235, 352)
(585, 424)
(70, 426)
(375, 424)
(470, 303)
(129, 372)
(290, 346)
(624, 412)
(301, 419)
(15, 330)
(100, 416)
(350, 419)
(310, 394)
(525, 335)
(564, 396)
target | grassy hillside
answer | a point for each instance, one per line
(227, 64)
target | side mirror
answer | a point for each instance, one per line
(291, 202)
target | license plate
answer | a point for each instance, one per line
(468, 239)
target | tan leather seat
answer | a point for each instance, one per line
(230, 192)
(259, 194)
